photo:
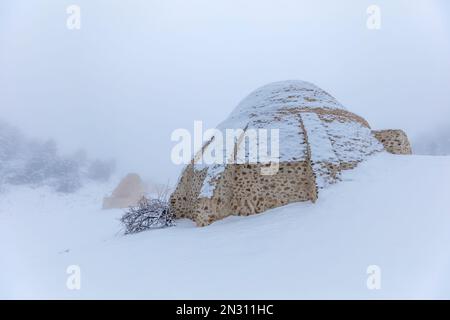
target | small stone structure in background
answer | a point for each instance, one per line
(128, 193)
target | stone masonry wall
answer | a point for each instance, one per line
(242, 190)
(394, 141)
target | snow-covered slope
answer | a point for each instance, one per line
(391, 211)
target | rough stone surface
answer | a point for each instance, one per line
(394, 141)
(128, 193)
(318, 139)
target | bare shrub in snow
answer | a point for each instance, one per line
(148, 214)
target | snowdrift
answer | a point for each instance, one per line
(391, 211)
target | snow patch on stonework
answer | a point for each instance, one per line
(291, 93)
(264, 102)
(319, 142)
(209, 184)
(320, 147)
(352, 142)
(283, 139)
(214, 169)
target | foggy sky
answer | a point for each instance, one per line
(137, 70)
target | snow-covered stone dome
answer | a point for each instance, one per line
(272, 97)
(318, 138)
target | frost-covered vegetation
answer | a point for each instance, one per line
(29, 162)
(148, 214)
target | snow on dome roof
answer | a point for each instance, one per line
(278, 96)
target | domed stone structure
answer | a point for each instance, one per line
(318, 138)
(128, 193)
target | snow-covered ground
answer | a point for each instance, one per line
(392, 211)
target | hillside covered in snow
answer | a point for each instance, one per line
(391, 212)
